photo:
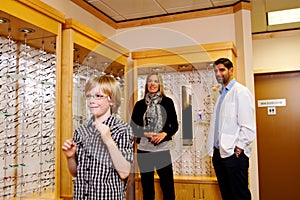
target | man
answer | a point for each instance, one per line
(231, 134)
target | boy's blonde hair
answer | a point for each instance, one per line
(110, 86)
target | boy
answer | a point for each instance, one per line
(101, 151)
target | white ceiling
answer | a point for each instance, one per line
(118, 11)
(125, 10)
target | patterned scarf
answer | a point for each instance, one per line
(153, 117)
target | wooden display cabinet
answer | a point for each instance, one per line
(182, 59)
(192, 57)
(38, 25)
(186, 187)
(79, 44)
(35, 15)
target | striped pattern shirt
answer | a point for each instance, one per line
(97, 179)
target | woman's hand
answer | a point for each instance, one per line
(157, 138)
(149, 134)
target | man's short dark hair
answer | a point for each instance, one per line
(225, 61)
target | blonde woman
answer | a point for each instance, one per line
(154, 122)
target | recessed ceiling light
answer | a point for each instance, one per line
(155, 69)
(283, 16)
(90, 57)
(4, 20)
(26, 30)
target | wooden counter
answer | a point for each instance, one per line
(186, 188)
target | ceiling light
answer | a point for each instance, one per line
(283, 16)
(156, 69)
(4, 20)
(90, 57)
(26, 30)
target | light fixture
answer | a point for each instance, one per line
(283, 16)
(26, 30)
(4, 20)
(156, 69)
(90, 57)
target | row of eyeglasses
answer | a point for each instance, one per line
(27, 119)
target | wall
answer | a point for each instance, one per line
(179, 33)
(276, 53)
(71, 10)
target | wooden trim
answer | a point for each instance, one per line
(187, 179)
(275, 70)
(242, 6)
(45, 9)
(99, 48)
(275, 34)
(194, 179)
(184, 50)
(175, 17)
(67, 197)
(58, 115)
(35, 17)
(221, 46)
(90, 33)
(95, 12)
(174, 57)
(66, 96)
(84, 30)
(186, 54)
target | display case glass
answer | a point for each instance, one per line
(28, 96)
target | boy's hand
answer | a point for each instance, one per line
(104, 130)
(69, 148)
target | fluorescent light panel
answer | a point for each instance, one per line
(284, 16)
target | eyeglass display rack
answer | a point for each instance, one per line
(85, 54)
(28, 94)
(188, 78)
(41, 91)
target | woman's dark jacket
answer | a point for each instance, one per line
(169, 117)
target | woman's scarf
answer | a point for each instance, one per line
(153, 121)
